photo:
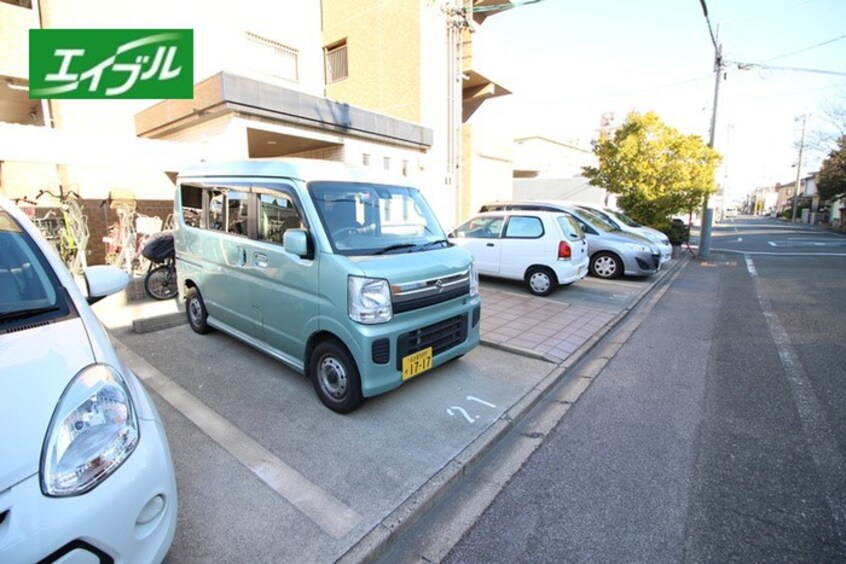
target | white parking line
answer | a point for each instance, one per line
(818, 434)
(322, 508)
(779, 254)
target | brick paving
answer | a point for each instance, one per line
(525, 324)
(543, 327)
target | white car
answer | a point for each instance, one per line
(544, 249)
(85, 469)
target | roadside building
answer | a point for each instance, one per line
(394, 85)
(547, 169)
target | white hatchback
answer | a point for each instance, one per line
(85, 469)
(544, 249)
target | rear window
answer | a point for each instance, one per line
(570, 226)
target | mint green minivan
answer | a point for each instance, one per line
(341, 273)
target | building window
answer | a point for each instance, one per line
(365, 159)
(271, 57)
(386, 163)
(405, 168)
(336, 62)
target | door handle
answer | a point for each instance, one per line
(242, 256)
(489, 245)
(260, 260)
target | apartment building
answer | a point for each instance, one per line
(389, 84)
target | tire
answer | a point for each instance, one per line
(606, 265)
(541, 281)
(161, 283)
(335, 377)
(195, 311)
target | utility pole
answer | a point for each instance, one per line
(708, 213)
(804, 118)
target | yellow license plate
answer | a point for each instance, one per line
(414, 364)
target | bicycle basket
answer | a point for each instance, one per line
(159, 247)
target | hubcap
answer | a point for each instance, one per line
(196, 311)
(332, 377)
(539, 281)
(605, 266)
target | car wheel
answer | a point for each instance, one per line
(541, 281)
(606, 265)
(335, 377)
(196, 312)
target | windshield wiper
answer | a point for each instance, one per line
(26, 313)
(396, 247)
(437, 242)
(399, 246)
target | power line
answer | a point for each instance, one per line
(747, 66)
(806, 48)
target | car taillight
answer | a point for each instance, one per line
(564, 251)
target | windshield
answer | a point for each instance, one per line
(368, 219)
(626, 220)
(28, 290)
(596, 221)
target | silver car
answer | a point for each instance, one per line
(612, 251)
(625, 223)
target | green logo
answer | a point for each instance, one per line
(111, 63)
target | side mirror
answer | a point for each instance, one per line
(295, 241)
(104, 280)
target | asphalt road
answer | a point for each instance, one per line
(715, 431)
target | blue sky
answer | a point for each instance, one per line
(567, 62)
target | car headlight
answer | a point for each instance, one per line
(474, 279)
(637, 247)
(369, 300)
(93, 430)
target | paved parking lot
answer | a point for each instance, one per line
(266, 473)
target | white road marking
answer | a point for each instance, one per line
(464, 413)
(321, 507)
(818, 434)
(780, 254)
(483, 402)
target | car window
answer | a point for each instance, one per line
(595, 221)
(277, 214)
(489, 227)
(363, 219)
(28, 288)
(524, 227)
(570, 226)
(610, 220)
(624, 218)
(228, 211)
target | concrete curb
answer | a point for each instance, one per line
(158, 322)
(375, 543)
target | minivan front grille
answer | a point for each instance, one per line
(424, 293)
(441, 336)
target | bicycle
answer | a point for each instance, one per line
(161, 282)
(72, 238)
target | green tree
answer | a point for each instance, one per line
(655, 170)
(831, 183)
